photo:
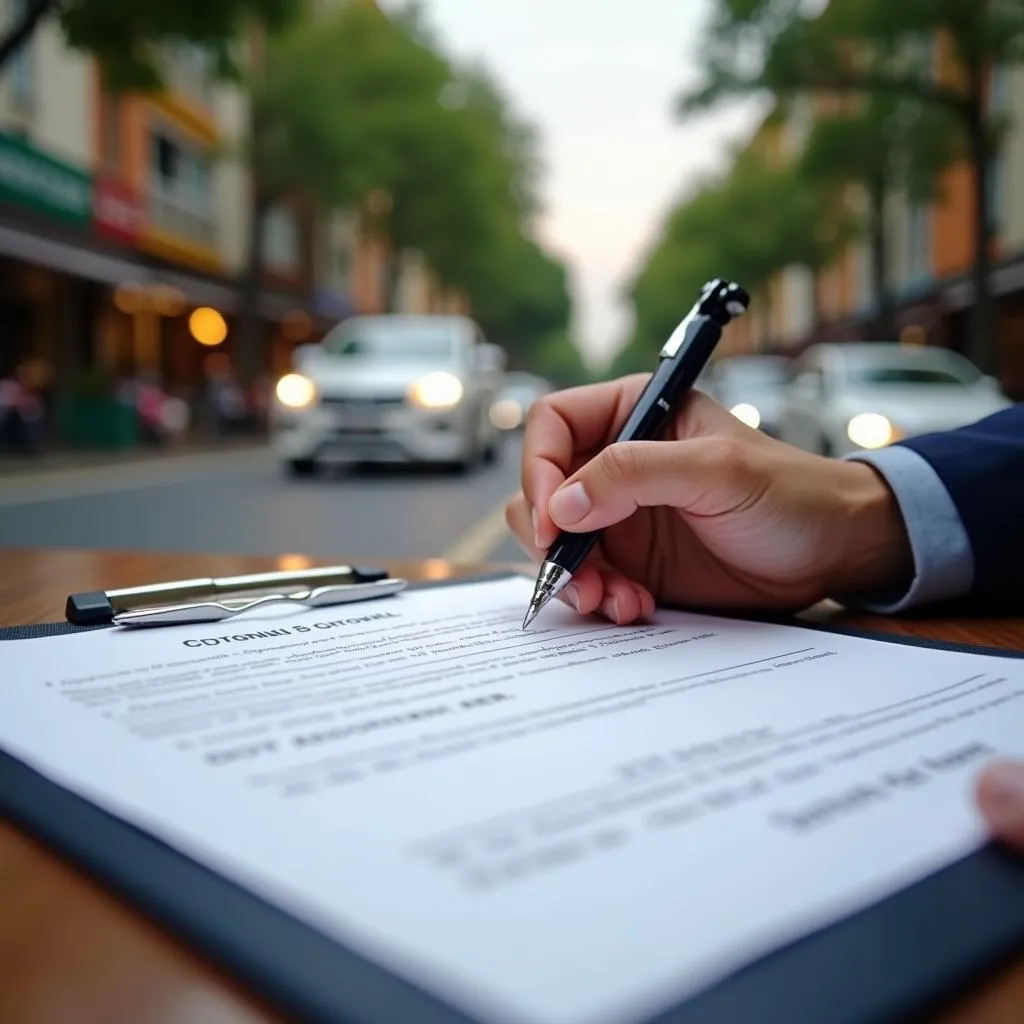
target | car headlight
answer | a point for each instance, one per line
(506, 414)
(439, 390)
(294, 391)
(871, 430)
(747, 413)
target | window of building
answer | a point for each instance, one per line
(181, 187)
(22, 64)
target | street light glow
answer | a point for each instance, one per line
(208, 327)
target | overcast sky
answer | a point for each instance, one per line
(598, 78)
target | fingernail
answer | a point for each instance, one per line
(1005, 785)
(570, 504)
(610, 607)
(572, 595)
(536, 530)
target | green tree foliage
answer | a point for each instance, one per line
(451, 169)
(883, 144)
(122, 33)
(532, 308)
(751, 223)
(877, 47)
(559, 361)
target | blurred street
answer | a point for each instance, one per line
(210, 288)
(239, 503)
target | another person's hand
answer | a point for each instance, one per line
(1001, 798)
(715, 514)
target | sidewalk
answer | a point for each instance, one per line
(57, 459)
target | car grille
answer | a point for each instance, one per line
(362, 401)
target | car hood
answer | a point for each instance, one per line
(355, 378)
(919, 410)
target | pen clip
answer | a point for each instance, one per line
(217, 611)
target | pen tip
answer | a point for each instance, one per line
(530, 615)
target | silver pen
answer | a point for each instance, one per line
(98, 608)
(217, 611)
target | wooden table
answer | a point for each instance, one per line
(72, 954)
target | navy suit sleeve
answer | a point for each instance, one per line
(982, 468)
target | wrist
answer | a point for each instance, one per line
(874, 552)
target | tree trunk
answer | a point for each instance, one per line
(817, 314)
(766, 320)
(20, 34)
(249, 353)
(982, 347)
(883, 326)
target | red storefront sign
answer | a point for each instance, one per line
(117, 212)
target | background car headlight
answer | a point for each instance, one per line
(870, 430)
(295, 391)
(437, 391)
(506, 414)
(747, 413)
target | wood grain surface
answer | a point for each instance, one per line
(72, 954)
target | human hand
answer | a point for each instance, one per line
(718, 515)
(715, 514)
(1000, 795)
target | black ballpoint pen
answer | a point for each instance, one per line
(681, 361)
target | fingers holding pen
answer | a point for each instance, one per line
(560, 428)
(596, 586)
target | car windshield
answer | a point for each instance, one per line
(394, 342)
(913, 372)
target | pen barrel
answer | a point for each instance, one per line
(657, 404)
(671, 382)
(254, 585)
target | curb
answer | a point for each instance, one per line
(41, 467)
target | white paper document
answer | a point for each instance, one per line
(577, 824)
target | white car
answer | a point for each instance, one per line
(850, 397)
(750, 387)
(517, 394)
(390, 388)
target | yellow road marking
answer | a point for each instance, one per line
(481, 540)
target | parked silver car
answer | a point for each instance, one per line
(851, 397)
(750, 387)
(390, 388)
(518, 392)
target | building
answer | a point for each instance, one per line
(122, 215)
(125, 229)
(930, 250)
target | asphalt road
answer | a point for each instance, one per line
(239, 503)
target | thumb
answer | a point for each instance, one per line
(1001, 797)
(705, 476)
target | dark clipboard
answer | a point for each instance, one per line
(893, 961)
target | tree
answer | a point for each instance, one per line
(880, 144)
(876, 47)
(428, 150)
(334, 105)
(533, 306)
(560, 362)
(748, 225)
(121, 35)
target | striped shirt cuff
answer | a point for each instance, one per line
(943, 559)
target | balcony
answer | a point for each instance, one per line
(183, 218)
